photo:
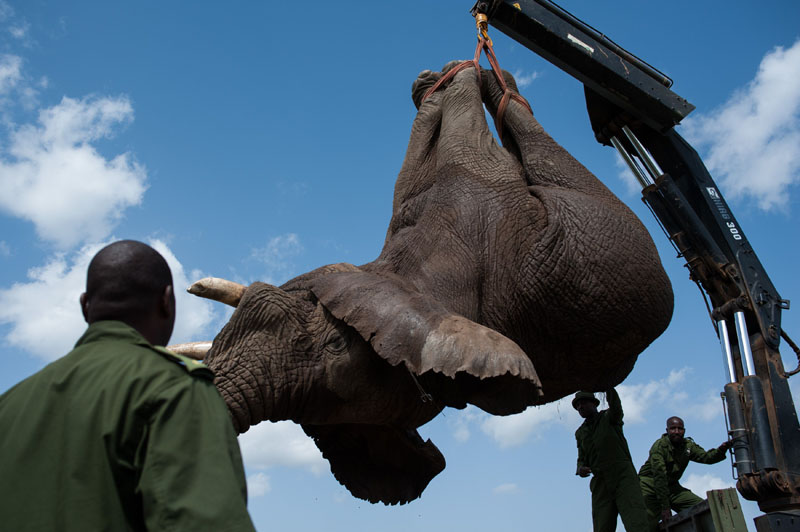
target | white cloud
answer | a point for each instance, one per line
(510, 431)
(258, 485)
(17, 91)
(292, 187)
(753, 139)
(794, 388)
(523, 80)
(461, 432)
(626, 174)
(6, 11)
(49, 302)
(280, 444)
(276, 256)
(638, 398)
(19, 31)
(44, 313)
(515, 430)
(505, 488)
(17, 27)
(700, 484)
(52, 175)
(709, 408)
(637, 401)
(5, 250)
(10, 72)
(461, 421)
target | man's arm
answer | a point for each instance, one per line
(701, 456)
(582, 470)
(192, 477)
(614, 407)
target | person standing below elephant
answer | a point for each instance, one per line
(603, 453)
(668, 459)
(121, 434)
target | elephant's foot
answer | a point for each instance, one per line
(424, 81)
(428, 79)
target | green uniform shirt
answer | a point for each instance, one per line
(601, 442)
(667, 462)
(119, 435)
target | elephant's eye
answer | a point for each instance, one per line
(336, 343)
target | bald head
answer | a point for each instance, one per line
(131, 282)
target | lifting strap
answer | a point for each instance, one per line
(484, 44)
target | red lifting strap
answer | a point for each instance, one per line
(484, 44)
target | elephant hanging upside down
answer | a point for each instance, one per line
(510, 276)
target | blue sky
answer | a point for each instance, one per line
(253, 141)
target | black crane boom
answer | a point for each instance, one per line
(632, 107)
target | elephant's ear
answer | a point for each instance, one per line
(407, 327)
(378, 463)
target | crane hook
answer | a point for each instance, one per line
(482, 23)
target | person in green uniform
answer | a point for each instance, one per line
(121, 434)
(660, 474)
(603, 453)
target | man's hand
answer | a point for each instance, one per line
(665, 515)
(584, 471)
(726, 445)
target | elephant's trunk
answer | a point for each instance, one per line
(260, 359)
(253, 391)
(238, 386)
(241, 396)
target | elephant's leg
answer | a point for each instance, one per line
(466, 141)
(544, 160)
(417, 174)
(426, 131)
(450, 146)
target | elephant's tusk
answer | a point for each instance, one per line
(218, 289)
(196, 350)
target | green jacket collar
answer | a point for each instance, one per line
(671, 445)
(111, 329)
(118, 330)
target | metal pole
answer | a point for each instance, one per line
(643, 179)
(648, 161)
(744, 343)
(727, 354)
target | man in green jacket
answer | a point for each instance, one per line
(668, 459)
(603, 453)
(121, 434)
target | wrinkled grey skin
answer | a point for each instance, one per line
(510, 276)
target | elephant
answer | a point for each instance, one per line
(510, 276)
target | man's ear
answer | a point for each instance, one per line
(85, 307)
(165, 321)
(168, 302)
